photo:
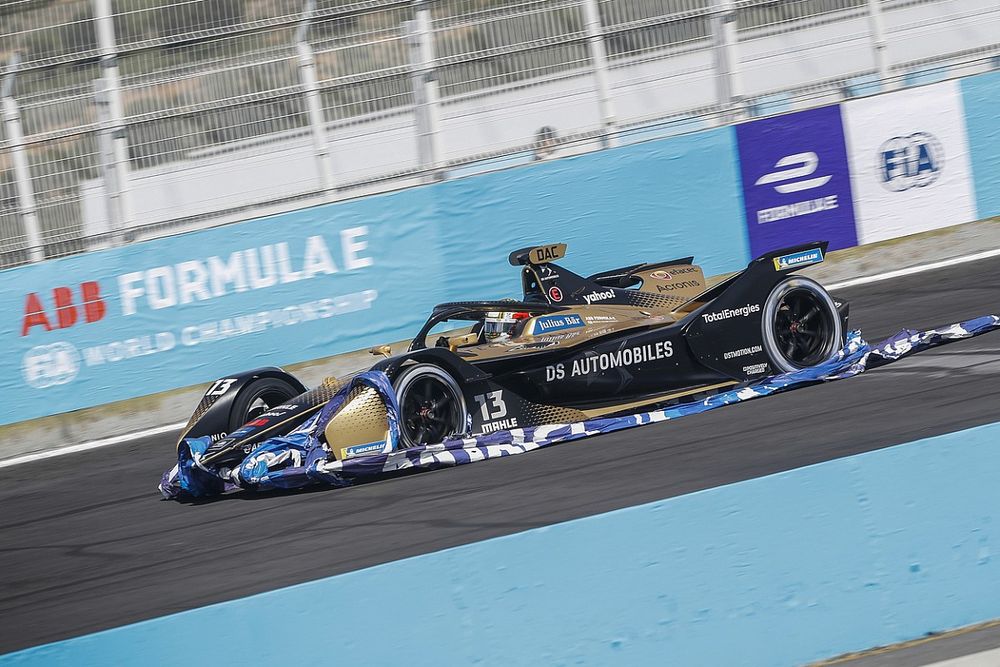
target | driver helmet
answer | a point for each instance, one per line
(498, 326)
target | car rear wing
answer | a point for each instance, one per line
(542, 254)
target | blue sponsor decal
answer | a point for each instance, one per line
(549, 323)
(361, 450)
(796, 183)
(797, 259)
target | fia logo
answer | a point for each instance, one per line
(801, 165)
(915, 161)
(48, 365)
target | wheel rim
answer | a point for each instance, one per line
(431, 410)
(803, 328)
(264, 401)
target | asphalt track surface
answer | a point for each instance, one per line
(88, 545)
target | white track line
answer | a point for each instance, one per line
(889, 275)
(93, 444)
(159, 430)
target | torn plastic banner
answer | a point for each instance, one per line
(300, 458)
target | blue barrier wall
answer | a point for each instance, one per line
(782, 570)
(981, 98)
(116, 324)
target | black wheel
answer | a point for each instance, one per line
(257, 398)
(431, 405)
(801, 326)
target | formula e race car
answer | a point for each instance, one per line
(572, 348)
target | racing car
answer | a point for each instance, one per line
(571, 348)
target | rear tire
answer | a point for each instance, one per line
(800, 325)
(257, 398)
(431, 405)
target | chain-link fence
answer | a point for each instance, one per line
(125, 119)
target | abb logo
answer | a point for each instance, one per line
(67, 313)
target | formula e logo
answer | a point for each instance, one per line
(915, 161)
(48, 365)
(801, 165)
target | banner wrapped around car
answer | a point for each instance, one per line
(302, 459)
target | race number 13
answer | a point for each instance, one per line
(220, 387)
(491, 405)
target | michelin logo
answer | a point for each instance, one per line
(804, 258)
(728, 313)
(364, 450)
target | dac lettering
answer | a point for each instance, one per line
(66, 311)
(545, 254)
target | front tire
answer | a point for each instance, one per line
(800, 325)
(257, 398)
(431, 405)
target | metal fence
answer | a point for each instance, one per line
(124, 119)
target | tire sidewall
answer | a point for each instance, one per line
(768, 333)
(253, 391)
(411, 373)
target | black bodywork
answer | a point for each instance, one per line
(681, 350)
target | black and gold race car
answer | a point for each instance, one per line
(572, 348)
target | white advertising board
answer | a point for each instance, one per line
(909, 159)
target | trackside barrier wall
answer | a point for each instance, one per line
(788, 569)
(117, 324)
(981, 97)
(121, 323)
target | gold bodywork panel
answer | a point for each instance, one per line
(684, 280)
(362, 419)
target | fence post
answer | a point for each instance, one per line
(426, 96)
(314, 107)
(599, 57)
(22, 172)
(110, 172)
(879, 45)
(727, 61)
(104, 21)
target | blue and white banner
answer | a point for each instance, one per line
(116, 324)
(796, 185)
(301, 459)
